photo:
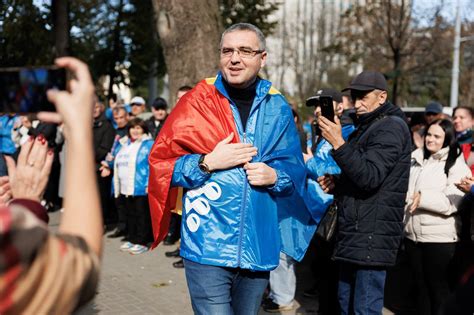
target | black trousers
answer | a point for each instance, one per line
(430, 263)
(52, 188)
(109, 214)
(121, 213)
(138, 220)
(327, 273)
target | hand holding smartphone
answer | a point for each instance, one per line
(325, 103)
(23, 90)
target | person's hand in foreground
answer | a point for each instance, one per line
(82, 212)
(5, 191)
(29, 177)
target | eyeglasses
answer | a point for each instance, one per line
(244, 52)
(136, 104)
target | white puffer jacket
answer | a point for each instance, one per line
(435, 219)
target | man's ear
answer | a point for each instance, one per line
(264, 59)
(382, 97)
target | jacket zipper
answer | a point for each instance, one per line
(244, 200)
(242, 213)
(244, 193)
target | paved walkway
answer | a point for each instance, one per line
(148, 284)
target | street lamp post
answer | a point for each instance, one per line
(457, 45)
(455, 71)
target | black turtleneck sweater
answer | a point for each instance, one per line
(243, 99)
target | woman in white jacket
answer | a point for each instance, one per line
(431, 222)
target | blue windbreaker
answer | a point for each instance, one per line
(7, 146)
(139, 168)
(226, 221)
(322, 163)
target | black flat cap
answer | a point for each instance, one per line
(368, 81)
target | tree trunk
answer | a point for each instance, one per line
(115, 47)
(189, 32)
(60, 13)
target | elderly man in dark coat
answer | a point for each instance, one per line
(370, 193)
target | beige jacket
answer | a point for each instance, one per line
(435, 219)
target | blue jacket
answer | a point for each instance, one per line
(139, 167)
(7, 146)
(226, 221)
(322, 163)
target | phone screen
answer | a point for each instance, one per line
(327, 108)
(23, 90)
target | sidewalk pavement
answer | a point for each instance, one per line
(148, 283)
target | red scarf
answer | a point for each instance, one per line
(200, 120)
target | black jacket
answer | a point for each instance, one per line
(371, 190)
(47, 130)
(152, 128)
(104, 136)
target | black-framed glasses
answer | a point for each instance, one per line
(244, 52)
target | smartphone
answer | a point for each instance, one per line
(23, 90)
(327, 107)
(325, 103)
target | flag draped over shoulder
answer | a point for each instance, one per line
(200, 120)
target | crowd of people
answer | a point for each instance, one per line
(231, 171)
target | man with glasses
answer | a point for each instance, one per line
(232, 144)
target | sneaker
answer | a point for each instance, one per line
(138, 249)
(126, 246)
(272, 307)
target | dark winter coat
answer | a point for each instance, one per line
(104, 136)
(371, 190)
(152, 128)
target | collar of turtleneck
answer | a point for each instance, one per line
(245, 94)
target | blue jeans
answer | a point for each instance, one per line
(361, 289)
(283, 281)
(221, 290)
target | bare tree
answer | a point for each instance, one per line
(305, 30)
(189, 32)
(384, 35)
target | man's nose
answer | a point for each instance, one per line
(235, 58)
